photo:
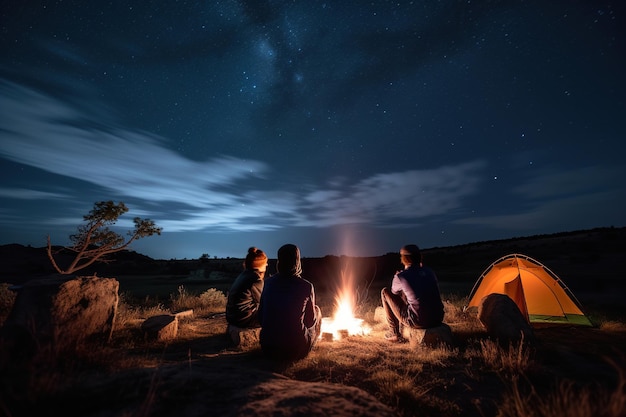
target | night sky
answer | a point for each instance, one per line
(347, 128)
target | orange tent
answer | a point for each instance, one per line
(540, 295)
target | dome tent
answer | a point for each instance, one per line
(541, 296)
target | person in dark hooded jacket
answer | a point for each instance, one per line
(290, 319)
(244, 296)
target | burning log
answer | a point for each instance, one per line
(338, 329)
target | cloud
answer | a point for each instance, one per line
(45, 133)
(224, 193)
(395, 196)
(28, 194)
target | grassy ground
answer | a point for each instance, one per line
(569, 371)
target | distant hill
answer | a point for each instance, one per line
(601, 250)
(596, 255)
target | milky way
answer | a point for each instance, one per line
(344, 128)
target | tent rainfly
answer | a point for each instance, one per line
(540, 295)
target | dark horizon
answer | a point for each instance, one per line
(435, 248)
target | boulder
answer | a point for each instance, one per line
(62, 312)
(244, 338)
(503, 319)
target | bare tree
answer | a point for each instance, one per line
(95, 240)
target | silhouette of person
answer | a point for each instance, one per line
(414, 299)
(290, 319)
(244, 296)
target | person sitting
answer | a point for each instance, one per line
(414, 299)
(290, 319)
(244, 296)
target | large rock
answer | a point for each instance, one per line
(503, 319)
(62, 312)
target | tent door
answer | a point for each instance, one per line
(515, 291)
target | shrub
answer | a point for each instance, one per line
(213, 299)
(210, 301)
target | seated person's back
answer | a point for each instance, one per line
(290, 319)
(244, 296)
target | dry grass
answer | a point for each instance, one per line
(475, 377)
(568, 399)
(511, 360)
(478, 376)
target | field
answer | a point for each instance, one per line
(567, 371)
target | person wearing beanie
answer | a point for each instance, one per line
(244, 296)
(414, 299)
(290, 320)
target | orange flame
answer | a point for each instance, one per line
(343, 322)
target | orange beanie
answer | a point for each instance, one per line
(256, 258)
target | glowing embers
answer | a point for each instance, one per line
(344, 323)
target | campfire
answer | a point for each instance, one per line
(343, 323)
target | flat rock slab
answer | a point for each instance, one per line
(162, 327)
